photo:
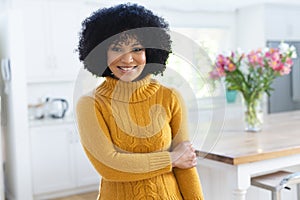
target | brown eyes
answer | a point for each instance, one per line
(118, 49)
(137, 49)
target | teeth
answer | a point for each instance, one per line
(126, 68)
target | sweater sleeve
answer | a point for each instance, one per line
(187, 179)
(107, 160)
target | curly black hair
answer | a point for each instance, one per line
(109, 25)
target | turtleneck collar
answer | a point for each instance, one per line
(128, 91)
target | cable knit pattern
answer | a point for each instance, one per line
(127, 129)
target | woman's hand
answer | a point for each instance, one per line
(183, 156)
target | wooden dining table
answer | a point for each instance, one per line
(226, 169)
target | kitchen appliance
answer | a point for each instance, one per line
(36, 111)
(286, 94)
(2, 189)
(51, 107)
(56, 107)
(14, 112)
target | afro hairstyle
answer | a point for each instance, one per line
(109, 25)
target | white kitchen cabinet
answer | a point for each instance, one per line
(282, 22)
(52, 33)
(51, 152)
(85, 174)
(35, 43)
(261, 23)
(65, 23)
(58, 160)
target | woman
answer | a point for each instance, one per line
(132, 128)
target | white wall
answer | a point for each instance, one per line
(185, 14)
(259, 23)
(250, 27)
(201, 19)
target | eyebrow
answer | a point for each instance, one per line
(135, 44)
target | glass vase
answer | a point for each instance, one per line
(253, 117)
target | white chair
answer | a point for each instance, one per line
(277, 181)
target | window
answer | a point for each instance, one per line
(205, 107)
(212, 41)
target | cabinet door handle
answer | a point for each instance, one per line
(296, 81)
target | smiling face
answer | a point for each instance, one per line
(126, 59)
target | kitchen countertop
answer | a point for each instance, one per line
(237, 156)
(279, 137)
(51, 121)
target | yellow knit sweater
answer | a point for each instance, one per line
(127, 130)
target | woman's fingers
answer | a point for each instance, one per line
(184, 156)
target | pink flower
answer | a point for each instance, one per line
(253, 71)
(273, 54)
(217, 73)
(285, 70)
(282, 68)
(289, 61)
(255, 58)
(274, 64)
(231, 67)
(222, 61)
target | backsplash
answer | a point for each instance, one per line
(38, 92)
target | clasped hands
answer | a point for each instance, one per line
(183, 156)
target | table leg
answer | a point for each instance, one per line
(239, 194)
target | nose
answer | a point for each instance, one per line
(127, 57)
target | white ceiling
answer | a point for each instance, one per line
(198, 5)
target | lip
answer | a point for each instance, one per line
(127, 68)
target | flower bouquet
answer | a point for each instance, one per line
(252, 75)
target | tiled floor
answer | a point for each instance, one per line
(85, 196)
